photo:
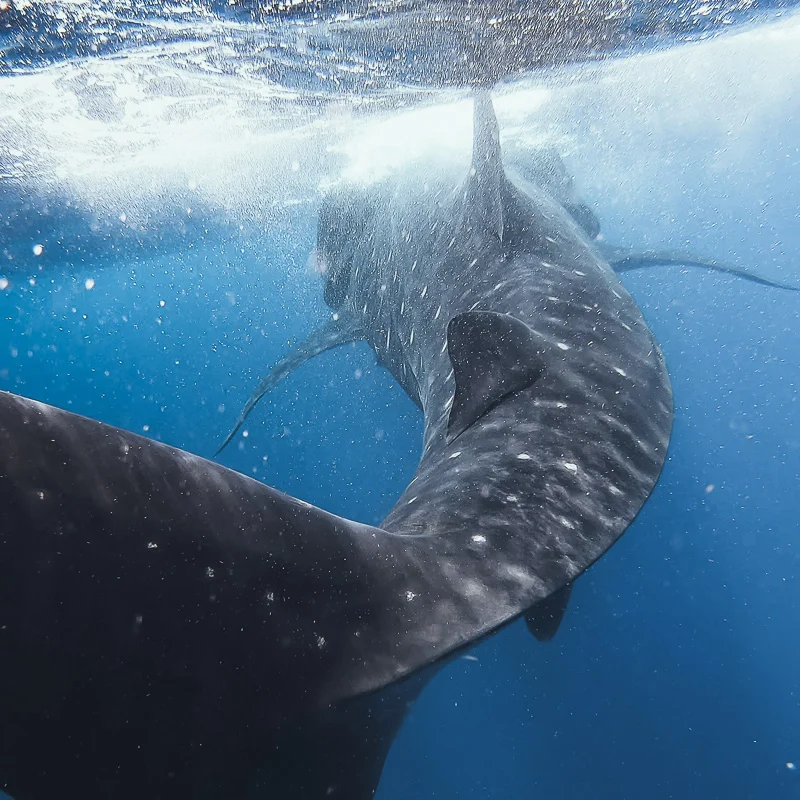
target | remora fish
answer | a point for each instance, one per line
(172, 629)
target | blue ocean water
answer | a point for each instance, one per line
(674, 675)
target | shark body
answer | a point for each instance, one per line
(173, 629)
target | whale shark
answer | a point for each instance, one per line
(173, 629)
(543, 167)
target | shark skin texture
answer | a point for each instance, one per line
(173, 629)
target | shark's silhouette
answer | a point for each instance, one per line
(172, 629)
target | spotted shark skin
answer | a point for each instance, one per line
(173, 629)
(553, 474)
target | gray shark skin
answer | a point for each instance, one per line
(172, 629)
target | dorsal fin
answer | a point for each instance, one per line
(483, 196)
(493, 355)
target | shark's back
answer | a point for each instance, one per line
(547, 403)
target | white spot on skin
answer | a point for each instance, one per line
(512, 498)
(570, 466)
(620, 372)
(499, 285)
(455, 455)
(524, 457)
(614, 489)
(321, 642)
(627, 327)
(424, 291)
(578, 272)
(411, 501)
(388, 338)
(554, 299)
(438, 311)
(473, 263)
(209, 572)
(562, 346)
(561, 405)
(479, 538)
(403, 307)
(411, 339)
(444, 346)
(151, 545)
(410, 595)
(547, 264)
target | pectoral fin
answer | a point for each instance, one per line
(342, 329)
(493, 355)
(623, 259)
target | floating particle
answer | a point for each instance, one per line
(38, 249)
(89, 284)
